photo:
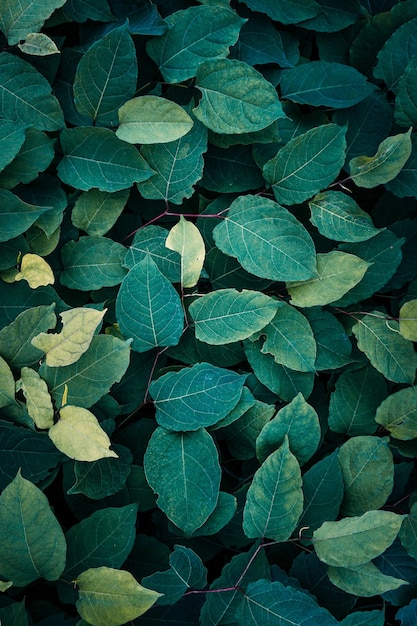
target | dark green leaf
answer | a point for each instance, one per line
(323, 492)
(102, 478)
(333, 345)
(17, 215)
(260, 43)
(398, 414)
(96, 211)
(18, 20)
(229, 170)
(35, 156)
(405, 101)
(286, 12)
(12, 136)
(396, 54)
(151, 240)
(241, 434)
(405, 183)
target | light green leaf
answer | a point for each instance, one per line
(66, 347)
(186, 239)
(387, 350)
(38, 401)
(363, 580)
(16, 338)
(391, 156)
(111, 597)
(151, 119)
(405, 110)
(79, 435)
(35, 156)
(286, 12)
(106, 76)
(195, 397)
(337, 216)
(235, 98)
(95, 157)
(194, 35)
(333, 345)
(148, 308)
(183, 469)
(19, 19)
(338, 272)
(398, 414)
(368, 474)
(35, 546)
(354, 541)
(150, 240)
(25, 95)
(36, 271)
(228, 315)
(306, 164)
(275, 499)
(96, 211)
(408, 320)
(17, 216)
(38, 44)
(267, 240)
(12, 137)
(7, 384)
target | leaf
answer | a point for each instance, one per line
(221, 516)
(395, 54)
(183, 469)
(195, 397)
(106, 76)
(96, 211)
(12, 137)
(387, 350)
(324, 83)
(306, 164)
(363, 580)
(95, 157)
(17, 215)
(407, 614)
(150, 240)
(332, 343)
(36, 271)
(104, 477)
(391, 156)
(110, 597)
(408, 320)
(7, 384)
(405, 111)
(81, 11)
(365, 618)
(354, 541)
(231, 169)
(405, 183)
(185, 238)
(337, 216)
(79, 436)
(148, 308)
(274, 501)
(286, 12)
(35, 546)
(26, 95)
(266, 239)
(398, 414)
(151, 119)
(241, 434)
(17, 21)
(38, 44)
(227, 315)
(194, 35)
(66, 347)
(38, 400)
(235, 98)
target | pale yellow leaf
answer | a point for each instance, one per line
(408, 320)
(36, 271)
(38, 400)
(185, 238)
(38, 44)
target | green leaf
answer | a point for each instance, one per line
(334, 16)
(38, 44)
(363, 580)
(38, 400)
(81, 11)
(235, 98)
(95, 157)
(275, 499)
(286, 12)
(150, 240)
(333, 345)
(368, 474)
(12, 137)
(405, 183)
(104, 477)
(405, 111)
(228, 315)
(195, 397)
(365, 618)
(148, 308)
(36, 271)
(241, 434)
(222, 515)
(354, 541)
(408, 531)
(338, 272)
(17, 20)
(231, 169)
(396, 53)
(323, 83)
(194, 35)
(185, 238)
(111, 597)
(391, 156)
(337, 216)
(106, 76)
(183, 469)
(387, 350)
(17, 215)
(35, 546)
(26, 95)
(408, 320)
(260, 43)
(398, 414)
(7, 384)
(306, 164)
(267, 240)
(96, 211)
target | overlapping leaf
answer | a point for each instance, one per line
(19, 19)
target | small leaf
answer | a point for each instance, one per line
(185, 238)
(398, 414)
(36, 271)
(79, 435)
(104, 477)
(111, 597)
(38, 44)
(408, 320)
(363, 580)
(38, 400)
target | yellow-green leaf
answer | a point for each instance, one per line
(38, 44)
(185, 238)
(38, 400)
(36, 271)
(408, 320)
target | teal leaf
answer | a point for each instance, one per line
(104, 477)
(81, 11)
(17, 215)
(183, 469)
(364, 580)
(16, 339)
(96, 211)
(405, 111)
(405, 183)
(195, 397)
(106, 76)
(235, 98)
(150, 240)
(228, 315)
(148, 308)
(222, 515)
(307, 164)
(12, 137)
(267, 240)
(241, 434)
(398, 414)
(95, 157)
(35, 156)
(7, 384)
(18, 20)
(334, 16)
(35, 546)
(275, 499)
(225, 272)
(195, 35)
(260, 43)
(408, 532)
(365, 618)
(286, 12)
(396, 53)
(191, 351)
(233, 169)
(333, 345)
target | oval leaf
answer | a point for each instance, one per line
(185, 238)
(38, 401)
(408, 320)
(39, 44)
(363, 580)
(398, 414)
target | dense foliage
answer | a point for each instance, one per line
(208, 303)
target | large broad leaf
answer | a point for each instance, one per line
(195, 35)
(260, 43)
(363, 580)
(186, 239)
(34, 156)
(398, 414)
(12, 137)
(106, 76)
(236, 98)
(183, 469)
(335, 15)
(95, 157)
(148, 308)
(35, 546)
(306, 164)
(267, 240)
(396, 53)
(408, 532)
(17, 216)
(228, 315)
(275, 499)
(195, 397)
(26, 95)
(405, 98)
(287, 11)
(150, 240)
(18, 20)
(96, 211)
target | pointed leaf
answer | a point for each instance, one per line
(96, 211)
(333, 345)
(396, 53)
(408, 320)
(405, 100)
(241, 434)
(405, 183)
(17, 215)
(17, 20)
(38, 400)
(38, 44)
(104, 477)
(35, 156)
(185, 238)
(12, 137)
(223, 513)
(398, 414)
(36, 271)
(363, 580)
(150, 240)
